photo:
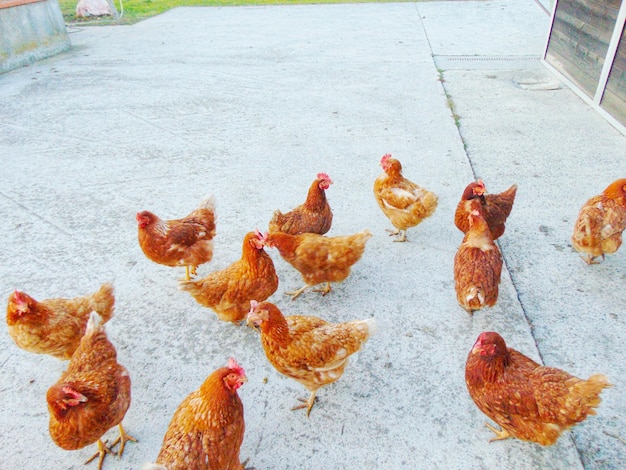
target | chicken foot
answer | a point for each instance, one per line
(500, 434)
(402, 234)
(122, 439)
(102, 451)
(297, 292)
(324, 290)
(308, 404)
(590, 259)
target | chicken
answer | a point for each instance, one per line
(600, 223)
(91, 396)
(496, 208)
(477, 266)
(308, 349)
(207, 429)
(313, 216)
(319, 258)
(403, 202)
(55, 326)
(228, 292)
(529, 401)
(180, 242)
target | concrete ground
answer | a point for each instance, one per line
(249, 104)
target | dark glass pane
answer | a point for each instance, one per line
(580, 38)
(614, 99)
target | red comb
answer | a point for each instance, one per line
(385, 157)
(233, 365)
(323, 176)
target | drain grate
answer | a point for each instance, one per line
(478, 62)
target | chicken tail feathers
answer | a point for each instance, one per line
(103, 302)
(208, 203)
(372, 327)
(94, 324)
(276, 221)
(190, 286)
(589, 391)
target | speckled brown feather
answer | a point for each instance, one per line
(228, 292)
(206, 430)
(496, 208)
(94, 372)
(313, 216)
(55, 326)
(529, 401)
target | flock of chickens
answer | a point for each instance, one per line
(528, 401)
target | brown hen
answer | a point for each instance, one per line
(318, 258)
(179, 242)
(207, 429)
(600, 223)
(228, 292)
(91, 397)
(495, 208)
(308, 349)
(403, 202)
(529, 401)
(313, 216)
(55, 326)
(477, 266)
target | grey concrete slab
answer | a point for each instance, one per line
(249, 104)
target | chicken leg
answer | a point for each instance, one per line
(324, 290)
(308, 404)
(102, 451)
(500, 434)
(297, 292)
(402, 234)
(123, 437)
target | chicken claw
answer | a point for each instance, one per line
(296, 293)
(401, 233)
(590, 259)
(324, 290)
(102, 451)
(500, 434)
(308, 404)
(122, 438)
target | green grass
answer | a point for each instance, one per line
(137, 10)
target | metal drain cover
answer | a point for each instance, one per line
(480, 62)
